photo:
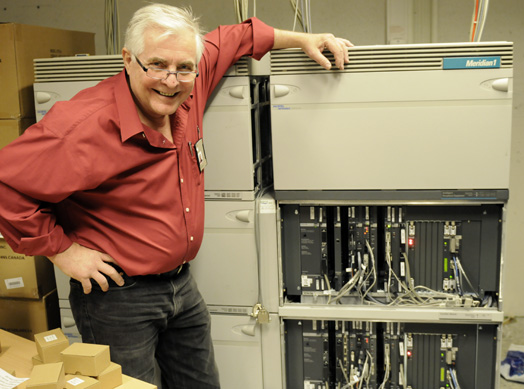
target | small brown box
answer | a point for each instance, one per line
(37, 360)
(86, 359)
(50, 344)
(81, 382)
(47, 376)
(110, 377)
(133, 383)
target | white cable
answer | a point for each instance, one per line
(474, 21)
(480, 13)
(483, 16)
(370, 370)
(112, 29)
(298, 14)
(346, 378)
(305, 5)
(328, 287)
(241, 10)
(459, 264)
(237, 10)
(347, 287)
(387, 368)
(374, 270)
(309, 27)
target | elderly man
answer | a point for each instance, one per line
(109, 187)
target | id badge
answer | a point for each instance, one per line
(200, 154)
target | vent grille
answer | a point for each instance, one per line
(96, 68)
(240, 68)
(88, 68)
(392, 58)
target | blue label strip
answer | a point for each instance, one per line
(471, 63)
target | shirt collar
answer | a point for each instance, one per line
(130, 124)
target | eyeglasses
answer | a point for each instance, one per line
(163, 74)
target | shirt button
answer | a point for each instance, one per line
(182, 180)
(143, 135)
(187, 209)
(164, 141)
(191, 239)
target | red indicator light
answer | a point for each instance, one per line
(411, 242)
(409, 353)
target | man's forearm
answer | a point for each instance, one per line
(288, 39)
(313, 45)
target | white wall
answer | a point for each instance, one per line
(364, 23)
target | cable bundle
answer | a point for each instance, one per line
(479, 19)
(412, 296)
(302, 14)
(241, 10)
(112, 28)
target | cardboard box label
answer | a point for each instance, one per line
(50, 338)
(13, 283)
(76, 381)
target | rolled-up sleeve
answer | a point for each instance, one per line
(30, 182)
(226, 44)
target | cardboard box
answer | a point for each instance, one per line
(86, 359)
(81, 382)
(26, 318)
(10, 129)
(36, 360)
(110, 377)
(9, 371)
(133, 383)
(20, 45)
(50, 344)
(23, 276)
(47, 376)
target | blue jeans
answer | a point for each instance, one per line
(160, 317)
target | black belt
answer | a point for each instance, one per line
(163, 276)
(170, 274)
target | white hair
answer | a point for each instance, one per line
(171, 20)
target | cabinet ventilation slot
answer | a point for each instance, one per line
(391, 58)
(93, 68)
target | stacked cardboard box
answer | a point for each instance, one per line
(21, 45)
(59, 365)
(28, 300)
(28, 296)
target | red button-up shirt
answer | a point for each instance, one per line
(90, 172)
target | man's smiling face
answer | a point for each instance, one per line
(157, 99)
